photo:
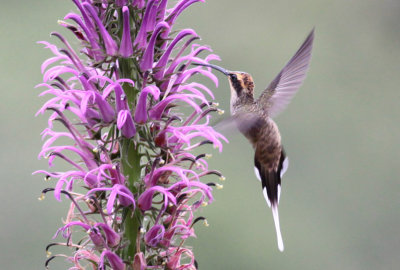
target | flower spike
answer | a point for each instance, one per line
(131, 116)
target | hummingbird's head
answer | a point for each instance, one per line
(241, 83)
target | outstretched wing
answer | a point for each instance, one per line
(281, 90)
(247, 123)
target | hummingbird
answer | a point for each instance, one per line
(253, 118)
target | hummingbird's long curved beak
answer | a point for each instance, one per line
(220, 69)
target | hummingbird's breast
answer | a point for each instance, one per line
(263, 133)
(268, 145)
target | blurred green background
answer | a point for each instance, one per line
(341, 195)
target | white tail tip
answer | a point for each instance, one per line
(266, 197)
(277, 227)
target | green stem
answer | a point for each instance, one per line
(131, 169)
(128, 69)
(130, 159)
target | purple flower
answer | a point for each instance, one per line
(121, 3)
(125, 135)
(177, 10)
(157, 111)
(112, 237)
(125, 124)
(177, 255)
(161, 64)
(126, 49)
(124, 194)
(139, 262)
(147, 22)
(109, 43)
(115, 261)
(145, 200)
(141, 107)
(154, 235)
(148, 56)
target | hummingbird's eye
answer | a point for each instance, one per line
(233, 77)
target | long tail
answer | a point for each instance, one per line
(271, 185)
(275, 214)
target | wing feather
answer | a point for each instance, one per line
(281, 90)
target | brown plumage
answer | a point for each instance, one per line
(253, 119)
